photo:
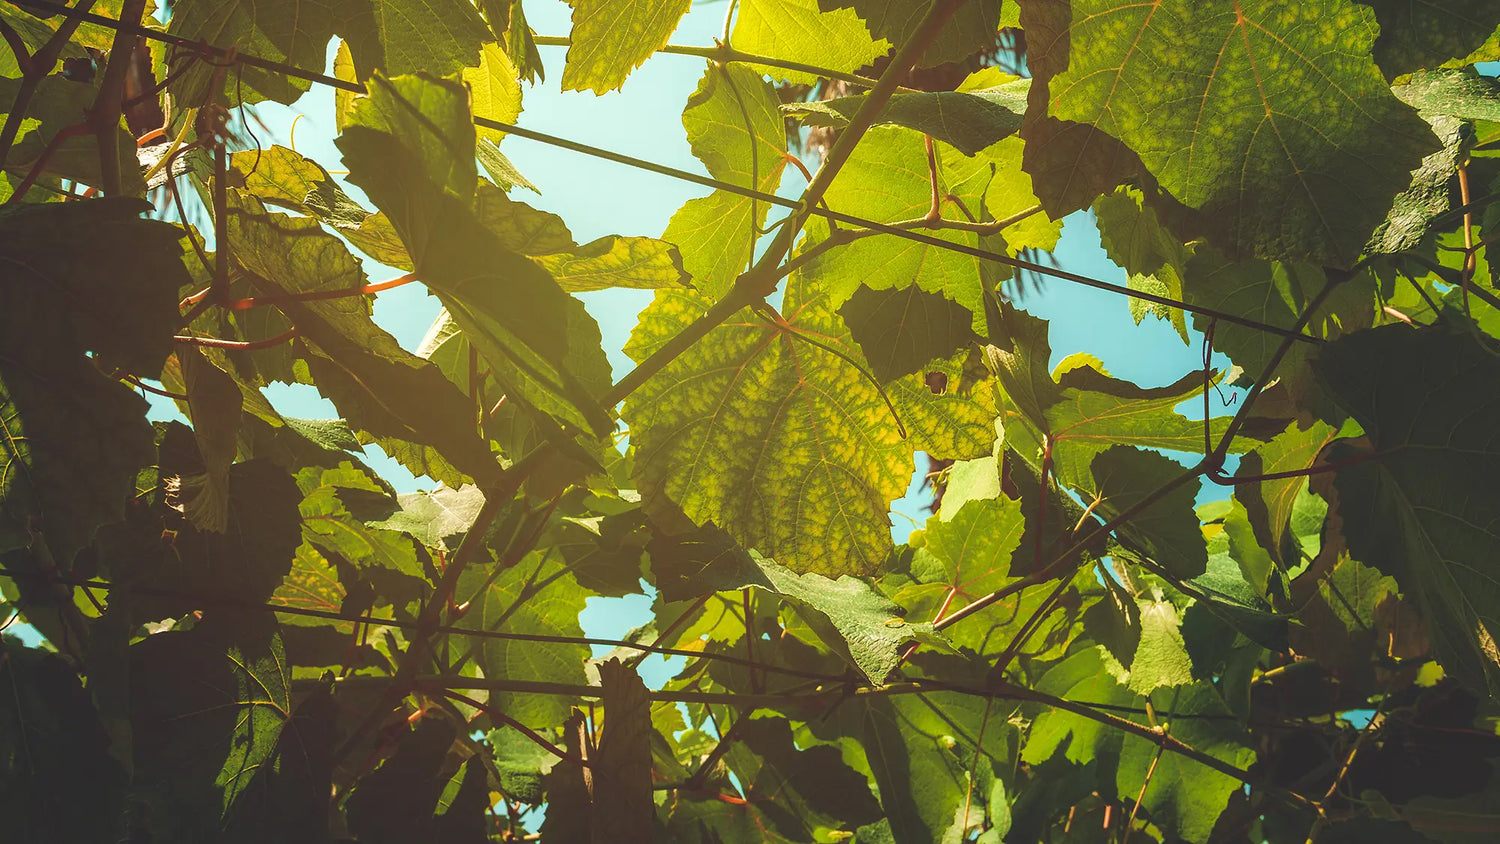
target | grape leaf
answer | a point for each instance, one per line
(1423, 510)
(902, 330)
(614, 261)
(734, 127)
(797, 30)
(611, 38)
(1166, 530)
(207, 706)
(1184, 84)
(851, 618)
(410, 147)
(393, 36)
(357, 365)
(887, 179)
(969, 121)
(1269, 503)
(777, 440)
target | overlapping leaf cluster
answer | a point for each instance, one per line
(1256, 604)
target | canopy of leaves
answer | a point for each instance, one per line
(1255, 604)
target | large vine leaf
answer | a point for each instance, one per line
(410, 146)
(781, 442)
(393, 36)
(1423, 509)
(797, 30)
(611, 38)
(1304, 171)
(734, 126)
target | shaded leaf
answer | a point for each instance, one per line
(902, 330)
(1422, 34)
(970, 121)
(1167, 529)
(1423, 510)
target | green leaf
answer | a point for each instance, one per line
(970, 121)
(1167, 530)
(392, 36)
(975, 544)
(208, 706)
(641, 263)
(494, 90)
(777, 440)
(534, 597)
(1161, 658)
(1135, 239)
(436, 518)
(520, 227)
(920, 749)
(1183, 84)
(1415, 35)
(378, 386)
(851, 618)
(611, 38)
(281, 177)
(285, 799)
(1422, 510)
(54, 752)
(887, 179)
(1010, 192)
(797, 30)
(902, 330)
(735, 128)
(410, 147)
(1183, 797)
(1269, 503)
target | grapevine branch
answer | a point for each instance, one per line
(37, 67)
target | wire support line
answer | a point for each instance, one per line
(477, 633)
(695, 178)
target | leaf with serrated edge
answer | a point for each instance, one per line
(1282, 170)
(611, 38)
